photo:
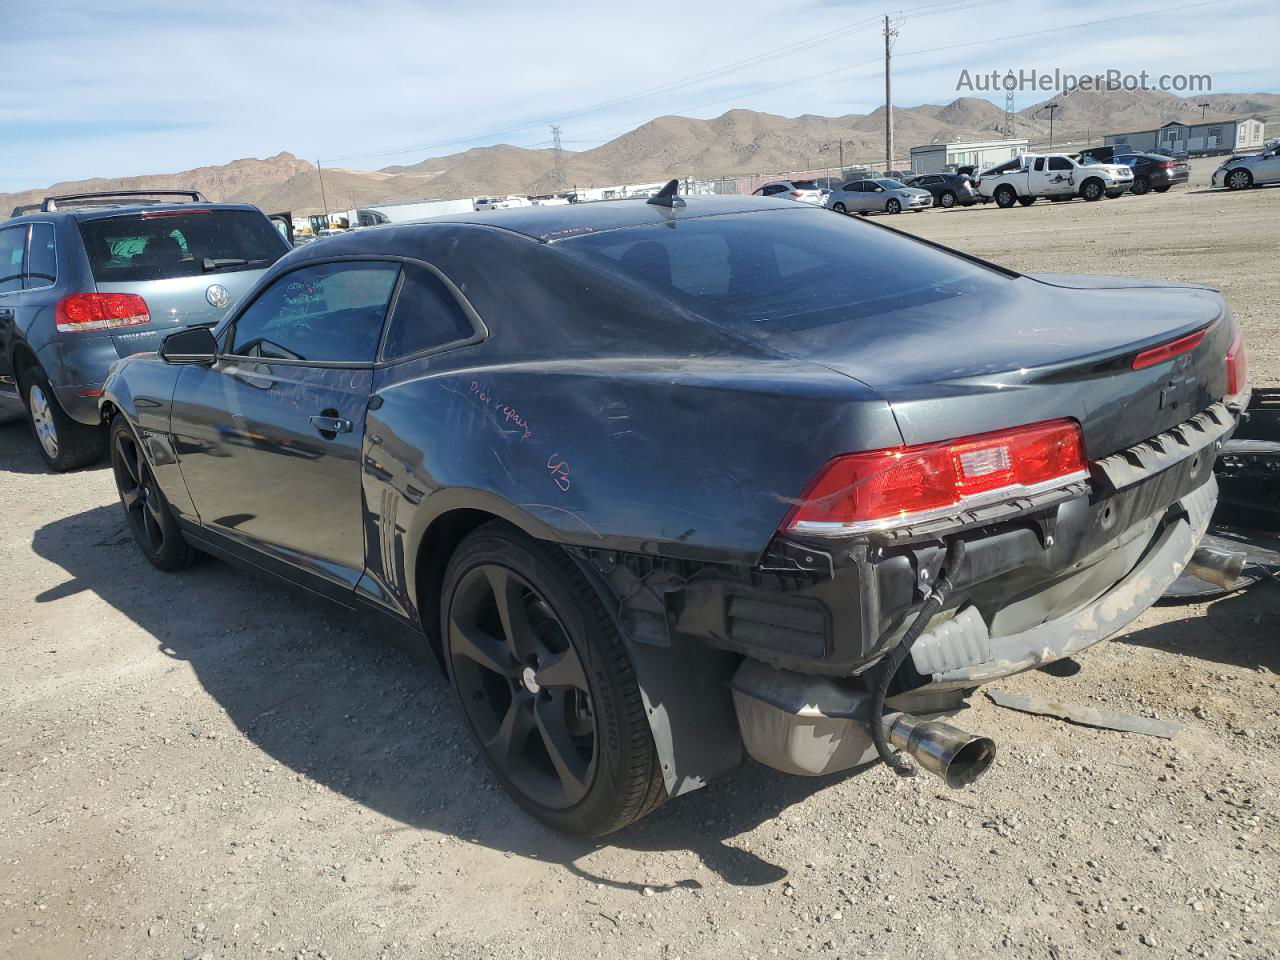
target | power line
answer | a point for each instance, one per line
(767, 56)
(949, 7)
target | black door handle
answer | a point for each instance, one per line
(332, 426)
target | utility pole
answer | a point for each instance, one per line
(1203, 107)
(557, 164)
(323, 199)
(1052, 108)
(889, 34)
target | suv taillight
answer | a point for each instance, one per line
(795, 193)
(861, 492)
(83, 312)
(1237, 371)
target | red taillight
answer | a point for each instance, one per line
(1237, 366)
(795, 193)
(1167, 351)
(1167, 165)
(100, 311)
(860, 492)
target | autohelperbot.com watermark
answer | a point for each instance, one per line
(1060, 81)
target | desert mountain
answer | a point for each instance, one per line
(735, 143)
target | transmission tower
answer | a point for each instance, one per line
(1008, 114)
(557, 158)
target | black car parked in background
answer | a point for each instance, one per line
(683, 478)
(1153, 171)
(948, 189)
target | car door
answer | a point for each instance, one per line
(1060, 179)
(269, 437)
(1267, 170)
(872, 195)
(13, 246)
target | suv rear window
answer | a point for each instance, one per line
(804, 184)
(160, 244)
(777, 272)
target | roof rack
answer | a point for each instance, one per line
(24, 208)
(51, 203)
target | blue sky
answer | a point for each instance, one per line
(133, 87)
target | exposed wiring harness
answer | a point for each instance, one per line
(898, 762)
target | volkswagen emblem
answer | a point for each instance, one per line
(218, 295)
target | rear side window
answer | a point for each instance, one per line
(1059, 163)
(12, 243)
(161, 244)
(773, 273)
(427, 315)
(327, 313)
(42, 261)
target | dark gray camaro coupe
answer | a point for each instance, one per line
(661, 480)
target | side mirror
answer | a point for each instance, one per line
(196, 345)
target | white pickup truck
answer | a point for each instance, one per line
(1027, 178)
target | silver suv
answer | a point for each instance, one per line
(90, 278)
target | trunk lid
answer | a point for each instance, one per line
(1042, 348)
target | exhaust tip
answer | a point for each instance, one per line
(957, 757)
(970, 762)
(1222, 568)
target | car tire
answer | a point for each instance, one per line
(1093, 189)
(839, 207)
(1164, 189)
(1006, 197)
(947, 199)
(1140, 186)
(893, 206)
(146, 510)
(64, 443)
(546, 684)
(1238, 179)
(1026, 201)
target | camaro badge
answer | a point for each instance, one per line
(218, 295)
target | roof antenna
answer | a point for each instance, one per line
(666, 197)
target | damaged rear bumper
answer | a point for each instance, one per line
(812, 725)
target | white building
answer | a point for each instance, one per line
(945, 157)
(1220, 134)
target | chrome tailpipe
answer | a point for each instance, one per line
(1222, 568)
(948, 752)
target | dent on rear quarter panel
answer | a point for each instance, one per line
(597, 415)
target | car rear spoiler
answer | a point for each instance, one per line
(52, 203)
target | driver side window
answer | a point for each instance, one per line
(327, 313)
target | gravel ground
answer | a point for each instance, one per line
(211, 765)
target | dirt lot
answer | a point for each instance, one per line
(209, 765)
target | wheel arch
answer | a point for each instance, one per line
(684, 688)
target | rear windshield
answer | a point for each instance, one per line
(804, 184)
(160, 244)
(780, 272)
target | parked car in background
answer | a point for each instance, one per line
(1153, 171)
(945, 490)
(880, 195)
(1242, 172)
(90, 278)
(1056, 176)
(806, 191)
(1106, 154)
(948, 189)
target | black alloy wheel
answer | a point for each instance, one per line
(150, 521)
(1140, 186)
(523, 686)
(546, 684)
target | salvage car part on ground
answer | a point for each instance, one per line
(675, 481)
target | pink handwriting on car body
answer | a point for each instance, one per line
(508, 413)
(559, 471)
